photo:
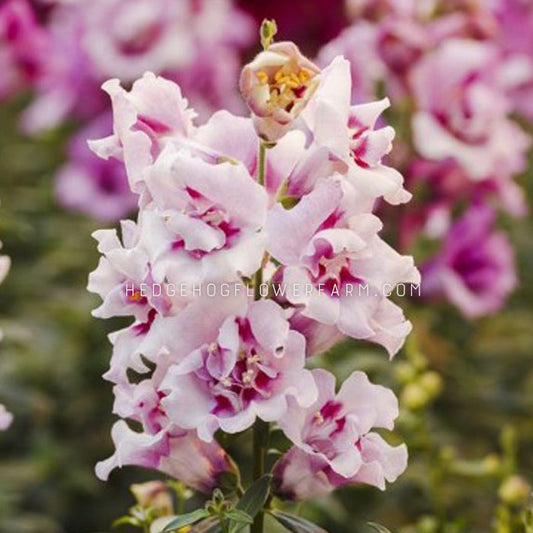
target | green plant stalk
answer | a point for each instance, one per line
(261, 429)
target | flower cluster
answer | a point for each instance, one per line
(456, 72)
(64, 51)
(280, 198)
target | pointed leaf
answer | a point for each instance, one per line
(296, 524)
(379, 528)
(253, 500)
(186, 520)
(236, 515)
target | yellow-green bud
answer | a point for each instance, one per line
(414, 397)
(405, 372)
(515, 490)
(431, 382)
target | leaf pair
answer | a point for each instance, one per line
(240, 516)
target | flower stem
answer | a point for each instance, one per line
(261, 438)
(261, 430)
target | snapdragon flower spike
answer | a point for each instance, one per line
(343, 262)
(334, 444)
(247, 370)
(277, 85)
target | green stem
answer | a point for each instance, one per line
(261, 438)
(261, 163)
(261, 429)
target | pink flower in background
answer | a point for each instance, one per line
(334, 444)
(91, 185)
(64, 51)
(6, 418)
(462, 111)
(159, 35)
(358, 44)
(516, 39)
(23, 47)
(443, 185)
(475, 268)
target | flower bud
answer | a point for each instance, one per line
(155, 495)
(515, 490)
(414, 397)
(277, 85)
(431, 382)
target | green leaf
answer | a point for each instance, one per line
(379, 528)
(253, 500)
(240, 517)
(186, 520)
(296, 524)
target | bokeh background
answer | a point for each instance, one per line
(466, 384)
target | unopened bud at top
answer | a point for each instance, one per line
(277, 85)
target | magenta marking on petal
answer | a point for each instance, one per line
(331, 410)
(156, 126)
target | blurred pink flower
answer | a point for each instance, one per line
(462, 110)
(91, 185)
(475, 267)
(23, 47)
(6, 418)
(334, 444)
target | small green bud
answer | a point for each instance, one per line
(428, 524)
(414, 397)
(431, 382)
(269, 28)
(515, 490)
(492, 464)
(405, 372)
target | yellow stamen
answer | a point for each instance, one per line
(136, 296)
(263, 77)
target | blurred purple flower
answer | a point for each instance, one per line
(23, 45)
(475, 268)
(91, 185)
